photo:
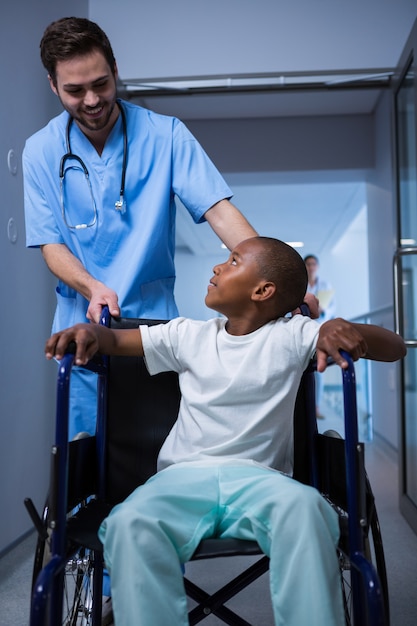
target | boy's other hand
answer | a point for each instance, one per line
(336, 335)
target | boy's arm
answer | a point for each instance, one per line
(93, 338)
(383, 344)
(360, 340)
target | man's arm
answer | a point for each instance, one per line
(229, 224)
(360, 340)
(93, 338)
(65, 266)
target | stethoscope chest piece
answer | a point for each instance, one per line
(120, 205)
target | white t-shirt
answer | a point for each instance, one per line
(238, 392)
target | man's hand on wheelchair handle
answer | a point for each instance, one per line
(102, 296)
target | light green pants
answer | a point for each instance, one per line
(147, 537)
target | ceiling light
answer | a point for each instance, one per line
(295, 244)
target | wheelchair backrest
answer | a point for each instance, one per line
(305, 430)
(141, 410)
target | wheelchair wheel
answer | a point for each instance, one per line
(374, 549)
(78, 580)
(374, 552)
(78, 585)
(344, 565)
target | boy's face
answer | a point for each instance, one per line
(234, 281)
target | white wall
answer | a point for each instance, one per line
(290, 144)
(27, 381)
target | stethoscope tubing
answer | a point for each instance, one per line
(70, 154)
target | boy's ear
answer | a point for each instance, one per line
(264, 291)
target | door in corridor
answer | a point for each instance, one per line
(405, 266)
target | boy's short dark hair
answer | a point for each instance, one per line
(284, 266)
(73, 36)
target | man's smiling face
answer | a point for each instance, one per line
(86, 87)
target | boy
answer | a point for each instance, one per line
(223, 468)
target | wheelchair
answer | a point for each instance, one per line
(135, 412)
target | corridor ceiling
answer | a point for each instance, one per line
(336, 62)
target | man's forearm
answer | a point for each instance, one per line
(65, 266)
(229, 224)
(71, 271)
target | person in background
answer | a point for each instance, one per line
(224, 469)
(327, 307)
(99, 186)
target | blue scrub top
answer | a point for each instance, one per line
(132, 253)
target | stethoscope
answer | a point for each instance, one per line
(119, 205)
